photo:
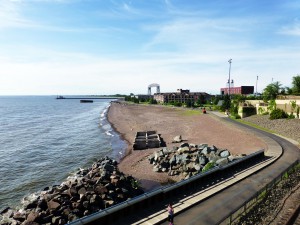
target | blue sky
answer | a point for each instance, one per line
(121, 46)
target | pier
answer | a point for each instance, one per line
(89, 97)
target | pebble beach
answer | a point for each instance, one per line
(192, 125)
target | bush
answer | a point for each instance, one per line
(291, 116)
(278, 114)
(152, 101)
(236, 116)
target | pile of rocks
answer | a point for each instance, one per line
(91, 190)
(190, 159)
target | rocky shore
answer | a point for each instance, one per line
(91, 190)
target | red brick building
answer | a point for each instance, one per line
(242, 90)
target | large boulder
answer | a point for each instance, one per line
(203, 160)
(183, 149)
(53, 205)
(177, 139)
(224, 153)
(206, 150)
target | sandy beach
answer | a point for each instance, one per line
(197, 128)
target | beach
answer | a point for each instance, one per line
(192, 125)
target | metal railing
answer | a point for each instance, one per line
(236, 214)
(159, 193)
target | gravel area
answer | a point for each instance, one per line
(289, 128)
(194, 127)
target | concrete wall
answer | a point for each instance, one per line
(284, 104)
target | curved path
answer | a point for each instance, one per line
(214, 209)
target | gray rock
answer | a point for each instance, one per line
(184, 145)
(213, 157)
(193, 145)
(82, 191)
(177, 139)
(197, 167)
(109, 167)
(165, 151)
(203, 160)
(172, 161)
(202, 146)
(183, 150)
(222, 161)
(55, 220)
(32, 217)
(86, 204)
(214, 148)
(165, 165)
(206, 150)
(52, 205)
(224, 154)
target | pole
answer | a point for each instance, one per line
(256, 84)
(229, 76)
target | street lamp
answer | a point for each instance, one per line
(256, 84)
(229, 76)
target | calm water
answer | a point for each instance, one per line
(44, 140)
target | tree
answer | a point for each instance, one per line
(288, 90)
(226, 103)
(272, 90)
(296, 85)
(293, 106)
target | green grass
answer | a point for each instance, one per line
(254, 125)
(191, 112)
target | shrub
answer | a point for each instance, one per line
(236, 116)
(152, 101)
(249, 111)
(278, 114)
(291, 116)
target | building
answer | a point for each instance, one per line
(243, 90)
(181, 96)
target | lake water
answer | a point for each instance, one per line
(44, 140)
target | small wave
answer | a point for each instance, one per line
(28, 199)
(106, 127)
(103, 114)
(108, 133)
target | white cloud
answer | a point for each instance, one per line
(293, 29)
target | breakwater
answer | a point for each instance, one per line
(90, 190)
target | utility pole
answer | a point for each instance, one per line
(229, 76)
(256, 84)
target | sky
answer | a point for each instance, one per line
(62, 47)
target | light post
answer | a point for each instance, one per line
(229, 76)
(256, 85)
